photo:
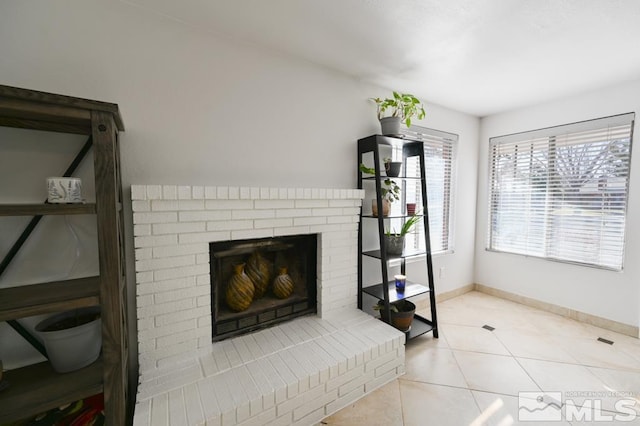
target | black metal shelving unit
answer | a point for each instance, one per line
(385, 290)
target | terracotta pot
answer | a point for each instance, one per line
(401, 320)
(386, 206)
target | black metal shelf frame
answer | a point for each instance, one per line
(387, 292)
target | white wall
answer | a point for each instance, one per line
(606, 294)
(201, 109)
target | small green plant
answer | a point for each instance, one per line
(380, 306)
(406, 227)
(390, 189)
(397, 306)
(403, 105)
(367, 170)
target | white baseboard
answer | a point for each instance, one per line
(594, 320)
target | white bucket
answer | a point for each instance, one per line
(73, 348)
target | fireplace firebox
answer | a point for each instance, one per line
(260, 282)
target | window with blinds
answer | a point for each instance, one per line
(560, 193)
(440, 159)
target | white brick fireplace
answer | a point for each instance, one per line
(297, 372)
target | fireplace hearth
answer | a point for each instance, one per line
(261, 282)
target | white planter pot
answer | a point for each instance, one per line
(72, 348)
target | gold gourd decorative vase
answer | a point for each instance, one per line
(257, 270)
(240, 290)
(283, 284)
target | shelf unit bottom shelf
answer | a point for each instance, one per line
(419, 326)
(36, 388)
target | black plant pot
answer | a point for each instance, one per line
(392, 168)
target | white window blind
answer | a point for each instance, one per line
(440, 159)
(561, 193)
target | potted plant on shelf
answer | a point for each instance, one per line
(73, 339)
(392, 168)
(390, 192)
(394, 242)
(402, 312)
(403, 107)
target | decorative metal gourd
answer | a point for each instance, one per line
(257, 270)
(240, 290)
(283, 284)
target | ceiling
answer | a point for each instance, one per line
(477, 56)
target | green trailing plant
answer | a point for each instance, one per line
(367, 170)
(403, 105)
(390, 190)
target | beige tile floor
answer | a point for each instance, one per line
(472, 376)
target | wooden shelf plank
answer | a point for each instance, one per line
(37, 388)
(35, 299)
(411, 289)
(19, 109)
(22, 123)
(42, 106)
(46, 209)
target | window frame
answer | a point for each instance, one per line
(428, 135)
(551, 134)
